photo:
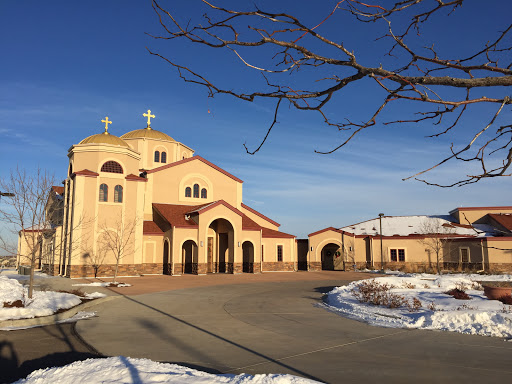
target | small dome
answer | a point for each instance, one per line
(105, 138)
(147, 133)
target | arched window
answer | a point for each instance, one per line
(203, 193)
(196, 190)
(157, 157)
(112, 167)
(163, 159)
(118, 194)
(188, 192)
(103, 192)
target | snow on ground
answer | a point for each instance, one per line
(102, 284)
(13, 274)
(477, 316)
(73, 319)
(122, 369)
(43, 303)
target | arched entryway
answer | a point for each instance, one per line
(189, 254)
(221, 247)
(248, 257)
(167, 262)
(331, 257)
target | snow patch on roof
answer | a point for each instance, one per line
(413, 225)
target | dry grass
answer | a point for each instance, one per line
(75, 292)
(14, 304)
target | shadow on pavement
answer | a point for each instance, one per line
(157, 331)
(24, 351)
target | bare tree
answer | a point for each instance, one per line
(24, 215)
(118, 239)
(410, 73)
(437, 236)
(96, 259)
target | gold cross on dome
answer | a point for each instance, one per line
(149, 116)
(106, 123)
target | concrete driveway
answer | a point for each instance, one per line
(281, 327)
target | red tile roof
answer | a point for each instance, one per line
(504, 220)
(194, 158)
(175, 214)
(151, 228)
(325, 230)
(131, 176)
(58, 190)
(260, 215)
(267, 232)
(85, 172)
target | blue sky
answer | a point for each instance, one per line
(66, 65)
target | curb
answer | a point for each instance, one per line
(53, 319)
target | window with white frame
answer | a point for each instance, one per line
(464, 255)
(397, 254)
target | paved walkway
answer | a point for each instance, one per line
(240, 323)
(162, 283)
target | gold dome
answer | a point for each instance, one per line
(147, 133)
(105, 138)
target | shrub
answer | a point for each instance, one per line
(465, 307)
(408, 285)
(432, 306)
(461, 286)
(14, 304)
(414, 305)
(369, 291)
(458, 294)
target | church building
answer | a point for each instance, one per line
(145, 202)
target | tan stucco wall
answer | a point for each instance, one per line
(270, 249)
(501, 255)
(476, 215)
(168, 186)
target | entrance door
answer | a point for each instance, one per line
(248, 257)
(223, 249)
(167, 265)
(331, 257)
(209, 266)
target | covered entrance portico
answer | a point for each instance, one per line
(331, 257)
(327, 250)
(220, 256)
(189, 257)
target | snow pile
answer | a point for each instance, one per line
(477, 316)
(102, 284)
(122, 369)
(43, 303)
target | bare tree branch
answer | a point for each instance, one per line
(424, 76)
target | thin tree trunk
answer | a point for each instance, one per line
(31, 279)
(115, 272)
